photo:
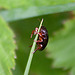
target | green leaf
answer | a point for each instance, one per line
(23, 13)
(62, 47)
(7, 47)
(72, 71)
(25, 3)
(41, 65)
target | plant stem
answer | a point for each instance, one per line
(31, 54)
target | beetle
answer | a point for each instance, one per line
(42, 38)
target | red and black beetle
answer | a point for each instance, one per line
(42, 38)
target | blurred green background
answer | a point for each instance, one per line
(18, 19)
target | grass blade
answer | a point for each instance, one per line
(31, 54)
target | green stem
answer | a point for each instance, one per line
(31, 54)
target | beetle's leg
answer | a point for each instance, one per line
(40, 34)
(39, 47)
(35, 50)
(34, 32)
(40, 40)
